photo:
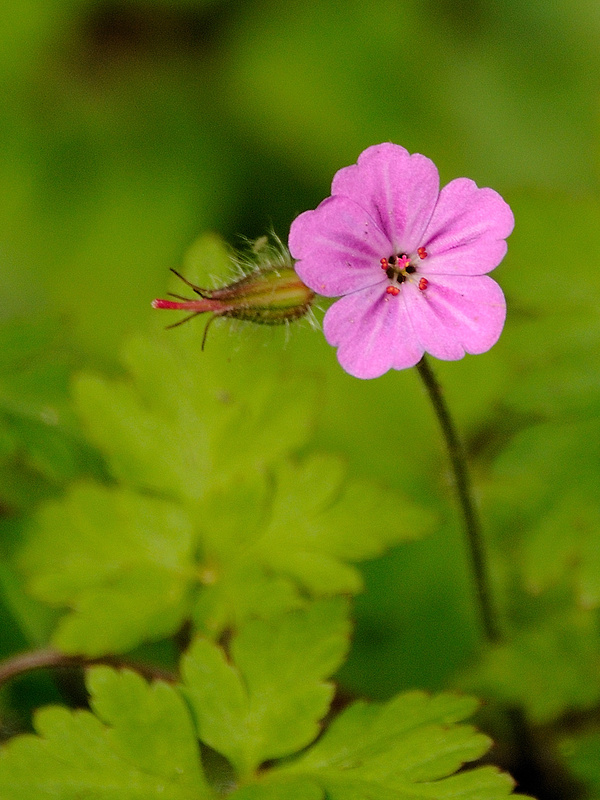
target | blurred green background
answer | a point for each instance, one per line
(129, 128)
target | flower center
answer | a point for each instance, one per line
(400, 268)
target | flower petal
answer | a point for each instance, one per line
(398, 190)
(467, 230)
(339, 247)
(456, 315)
(372, 332)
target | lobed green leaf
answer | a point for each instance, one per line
(582, 755)
(294, 789)
(319, 521)
(549, 472)
(121, 561)
(265, 543)
(141, 745)
(267, 702)
(406, 748)
(139, 741)
(182, 429)
(547, 669)
(40, 441)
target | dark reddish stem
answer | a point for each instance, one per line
(53, 659)
(464, 494)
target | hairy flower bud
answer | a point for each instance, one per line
(271, 293)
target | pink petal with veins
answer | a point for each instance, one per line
(457, 315)
(397, 189)
(373, 333)
(338, 246)
(466, 233)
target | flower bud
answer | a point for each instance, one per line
(267, 295)
(271, 293)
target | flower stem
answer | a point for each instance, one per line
(465, 498)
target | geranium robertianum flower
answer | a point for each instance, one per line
(409, 259)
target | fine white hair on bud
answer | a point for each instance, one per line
(267, 292)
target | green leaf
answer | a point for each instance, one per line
(266, 703)
(237, 585)
(39, 432)
(543, 504)
(294, 789)
(239, 593)
(140, 745)
(546, 489)
(130, 567)
(35, 620)
(319, 520)
(31, 620)
(189, 421)
(547, 669)
(557, 372)
(565, 545)
(582, 754)
(265, 543)
(123, 562)
(406, 748)
(561, 381)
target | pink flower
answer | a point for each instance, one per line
(410, 261)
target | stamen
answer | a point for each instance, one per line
(422, 252)
(394, 290)
(400, 278)
(384, 263)
(392, 260)
(410, 269)
(423, 284)
(390, 272)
